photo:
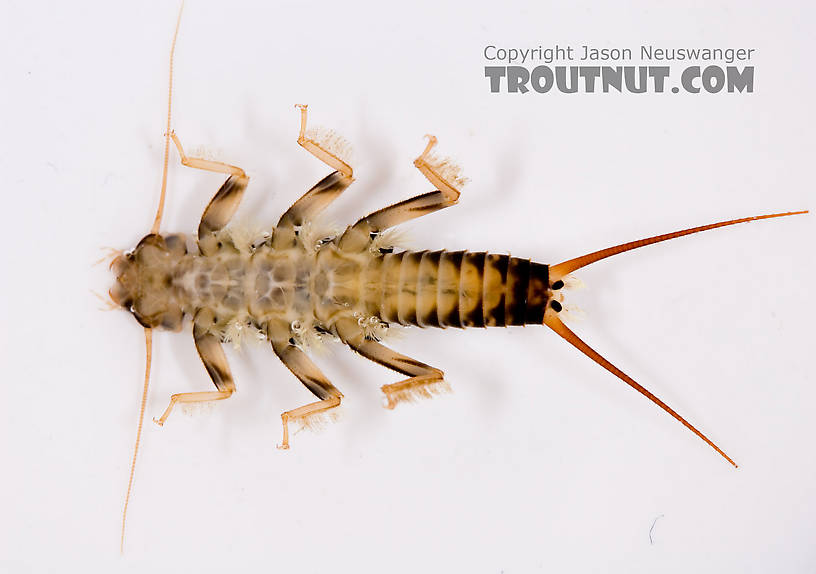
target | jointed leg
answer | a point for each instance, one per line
(441, 174)
(184, 398)
(424, 381)
(215, 361)
(320, 196)
(224, 203)
(220, 210)
(434, 172)
(310, 204)
(318, 150)
(304, 369)
(205, 164)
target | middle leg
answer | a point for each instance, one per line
(313, 379)
(320, 195)
(319, 150)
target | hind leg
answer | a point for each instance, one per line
(424, 381)
(443, 175)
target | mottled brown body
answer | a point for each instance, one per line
(312, 287)
(291, 288)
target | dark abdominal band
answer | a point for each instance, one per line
(463, 289)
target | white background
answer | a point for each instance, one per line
(539, 460)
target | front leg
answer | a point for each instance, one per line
(212, 355)
(224, 203)
(205, 164)
(219, 211)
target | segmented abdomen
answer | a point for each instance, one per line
(456, 289)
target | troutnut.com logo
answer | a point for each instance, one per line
(661, 69)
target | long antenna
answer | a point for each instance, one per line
(148, 360)
(148, 331)
(160, 210)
